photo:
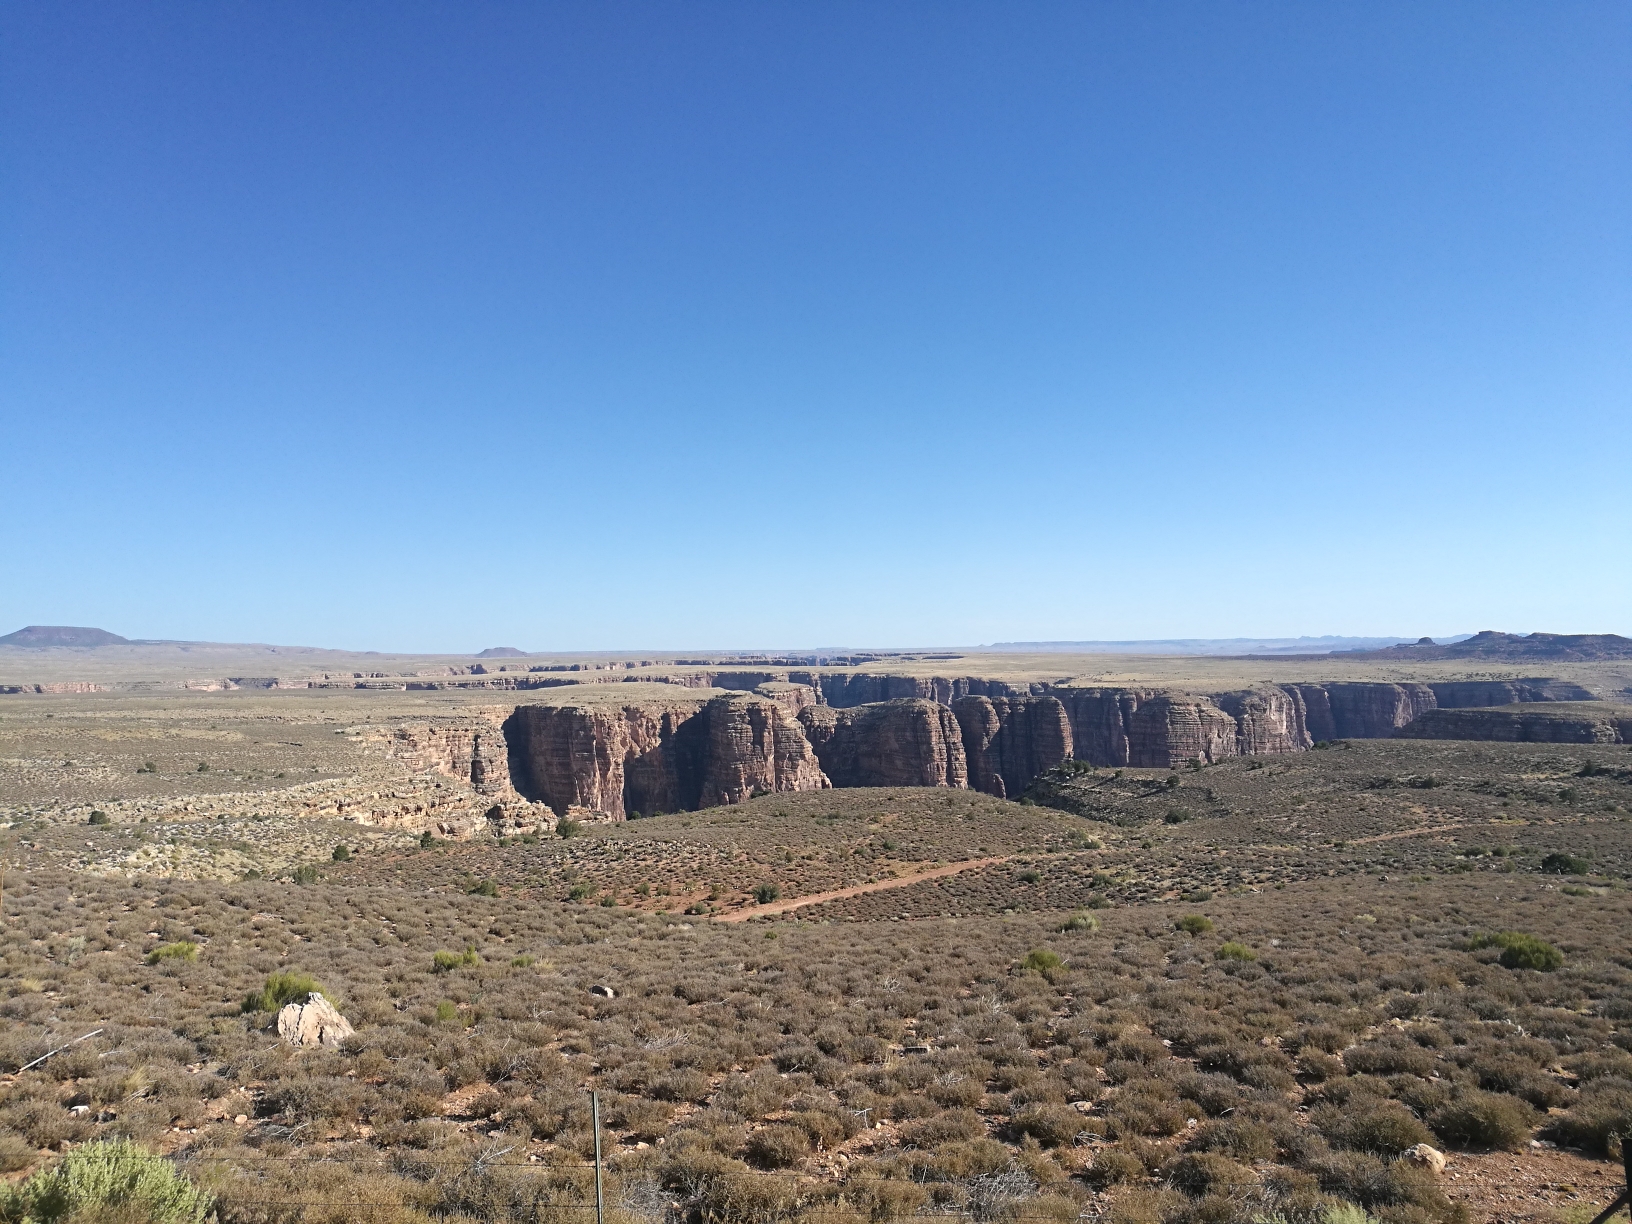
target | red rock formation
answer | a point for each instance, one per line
(755, 745)
(1268, 719)
(1175, 727)
(472, 750)
(1008, 741)
(909, 742)
(792, 697)
(1354, 710)
(648, 757)
(1571, 723)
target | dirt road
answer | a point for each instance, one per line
(855, 890)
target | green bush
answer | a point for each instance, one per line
(1042, 959)
(426, 841)
(1230, 950)
(184, 950)
(1560, 863)
(766, 893)
(1080, 922)
(107, 1180)
(569, 828)
(283, 987)
(342, 854)
(99, 818)
(1194, 924)
(1521, 951)
(443, 961)
(306, 874)
(483, 888)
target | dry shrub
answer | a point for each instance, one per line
(881, 1198)
(1049, 1123)
(1314, 1065)
(1599, 1118)
(1390, 1189)
(748, 1198)
(1147, 1207)
(778, 1146)
(1055, 1207)
(953, 1124)
(15, 1153)
(961, 1160)
(1485, 1119)
(1149, 1108)
(1383, 1128)
(1521, 1078)
(1199, 1173)
(1240, 1138)
(1388, 1056)
(1114, 1166)
(952, 1090)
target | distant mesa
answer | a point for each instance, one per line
(41, 636)
(502, 652)
(1489, 644)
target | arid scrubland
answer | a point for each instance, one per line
(1240, 991)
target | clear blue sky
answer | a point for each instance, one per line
(439, 326)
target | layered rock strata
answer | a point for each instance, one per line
(608, 759)
(1008, 741)
(1572, 723)
(908, 742)
(636, 757)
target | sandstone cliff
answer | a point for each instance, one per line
(645, 757)
(1008, 741)
(471, 750)
(678, 752)
(1562, 723)
(907, 742)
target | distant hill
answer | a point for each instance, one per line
(40, 636)
(1495, 646)
(502, 652)
(1206, 646)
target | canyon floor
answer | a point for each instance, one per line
(1233, 991)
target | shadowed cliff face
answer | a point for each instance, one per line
(1008, 741)
(909, 742)
(643, 758)
(1572, 723)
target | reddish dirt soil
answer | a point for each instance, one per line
(838, 894)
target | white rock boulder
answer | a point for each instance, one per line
(1428, 1157)
(313, 1024)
